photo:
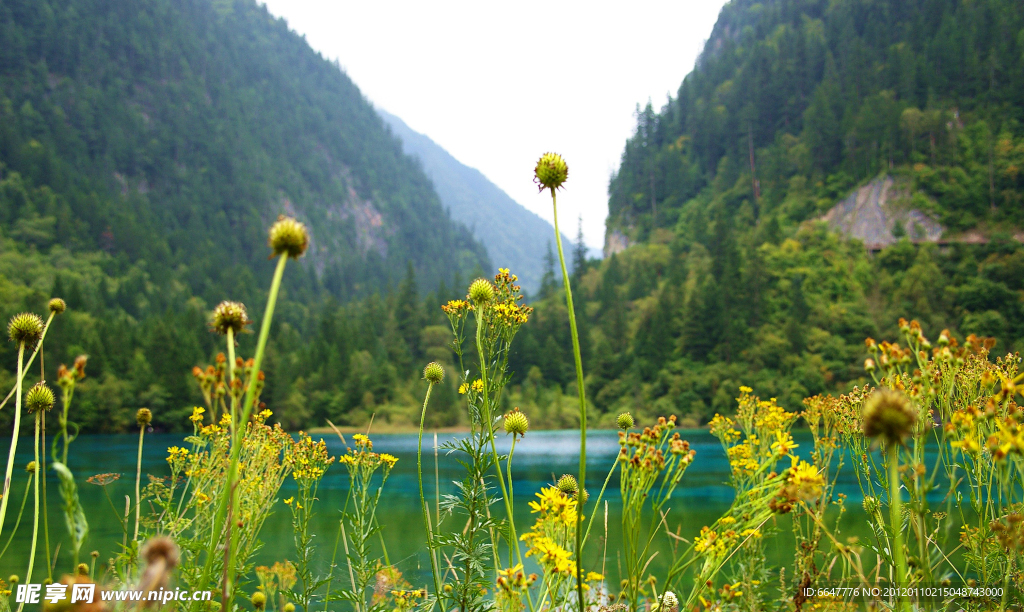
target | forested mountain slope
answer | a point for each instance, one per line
(145, 147)
(792, 105)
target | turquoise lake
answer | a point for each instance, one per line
(539, 459)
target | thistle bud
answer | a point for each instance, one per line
(288, 237)
(13, 579)
(259, 600)
(889, 415)
(624, 421)
(229, 316)
(567, 484)
(143, 417)
(57, 306)
(83, 569)
(288, 607)
(481, 291)
(433, 373)
(551, 171)
(31, 467)
(38, 398)
(516, 423)
(25, 327)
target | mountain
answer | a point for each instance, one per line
(515, 238)
(721, 270)
(145, 147)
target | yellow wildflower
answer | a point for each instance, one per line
(197, 414)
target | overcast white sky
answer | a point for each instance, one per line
(498, 84)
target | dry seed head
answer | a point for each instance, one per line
(888, 415)
(25, 327)
(551, 171)
(39, 397)
(57, 306)
(481, 291)
(143, 417)
(567, 484)
(288, 237)
(229, 315)
(624, 421)
(516, 423)
(433, 373)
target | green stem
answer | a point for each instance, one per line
(14, 436)
(583, 404)
(138, 482)
(231, 380)
(46, 521)
(511, 489)
(229, 493)
(17, 523)
(896, 525)
(35, 518)
(423, 502)
(489, 424)
(31, 359)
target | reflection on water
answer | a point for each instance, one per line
(539, 459)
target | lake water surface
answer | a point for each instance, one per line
(539, 459)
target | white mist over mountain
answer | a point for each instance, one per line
(498, 84)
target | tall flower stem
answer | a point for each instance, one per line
(138, 482)
(14, 436)
(231, 381)
(229, 495)
(423, 502)
(582, 398)
(489, 424)
(35, 518)
(896, 525)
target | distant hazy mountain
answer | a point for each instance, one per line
(515, 238)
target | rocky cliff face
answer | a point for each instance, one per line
(880, 213)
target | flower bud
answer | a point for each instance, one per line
(57, 306)
(259, 600)
(551, 171)
(31, 467)
(288, 237)
(889, 415)
(869, 365)
(516, 423)
(229, 316)
(288, 607)
(143, 417)
(481, 291)
(83, 569)
(13, 579)
(567, 484)
(39, 397)
(433, 373)
(624, 421)
(25, 327)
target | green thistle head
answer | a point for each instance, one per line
(433, 373)
(31, 467)
(567, 484)
(57, 306)
(888, 415)
(38, 398)
(624, 421)
(143, 417)
(288, 237)
(481, 291)
(288, 607)
(259, 600)
(551, 171)
(229, 316)
(516, 423)
(25, 327)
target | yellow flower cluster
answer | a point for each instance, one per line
(804, 482)
(310, 459)
(743, 458)
(713, 544)
(197, 415)
(550, 555)
(362, 456)
(511, 313)
(724, 428)
(553, 505)
(477, 386)
(456, 308)
(176, 453)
